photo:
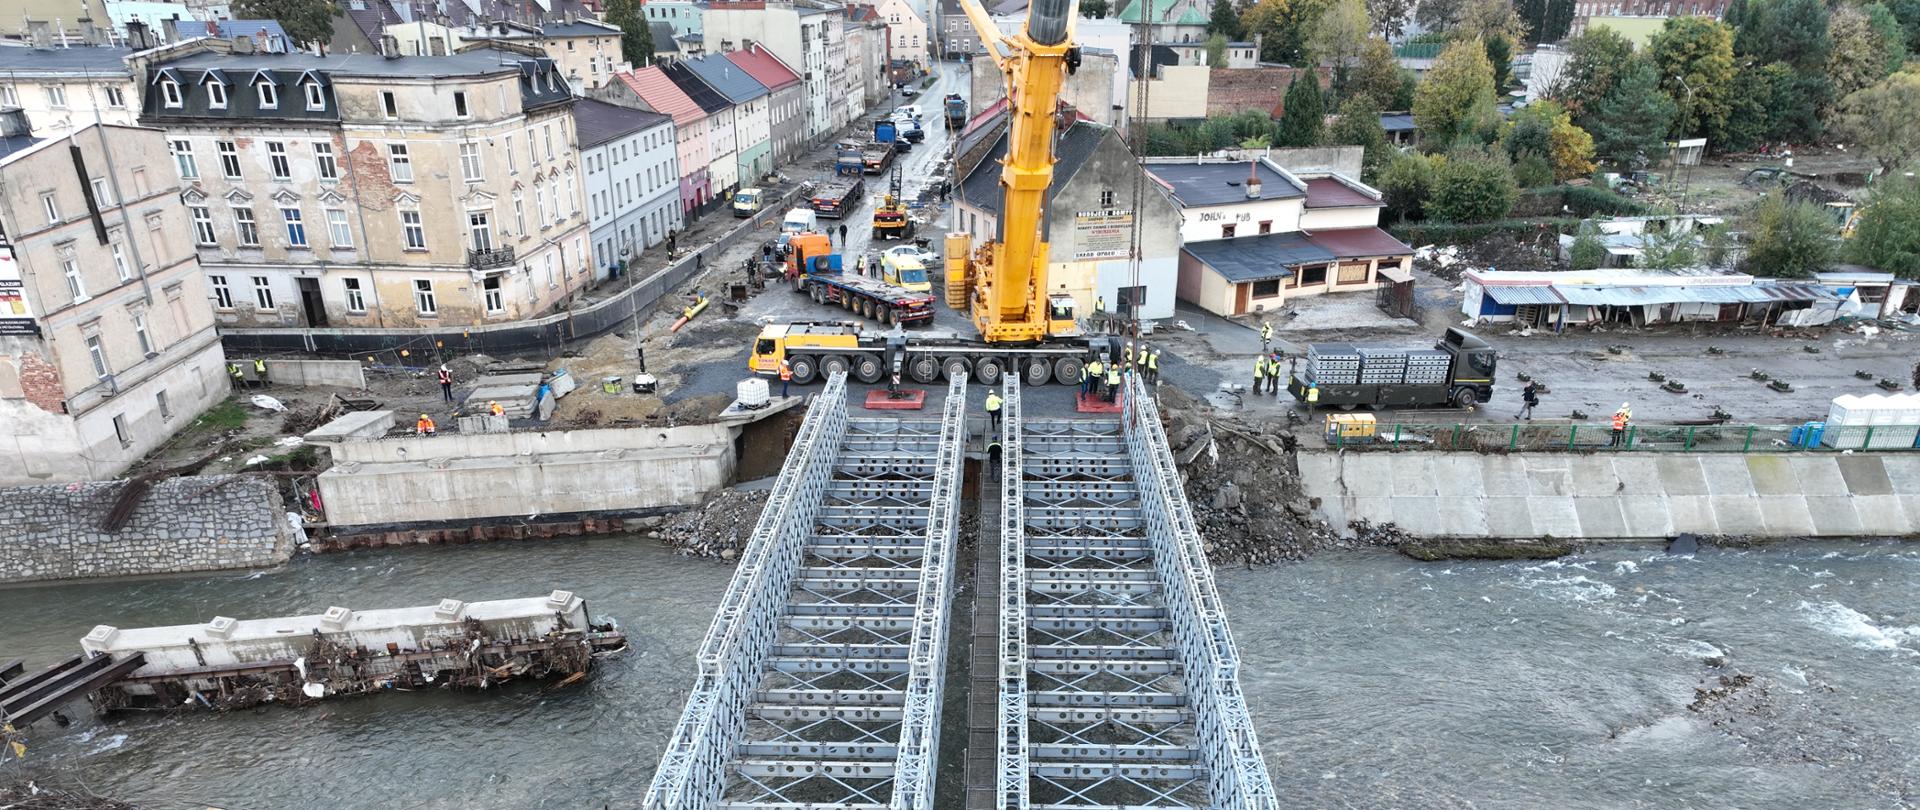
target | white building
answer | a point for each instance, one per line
(908, 31)
(63, 89)
(804, 34)
(633, 180)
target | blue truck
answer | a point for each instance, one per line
(877, 155)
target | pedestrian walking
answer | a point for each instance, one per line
(424, 426)
(786, 376)
(1620, 420)
(446, 383)
(1266, 336)
(843, 235)
(993, 411)
(1529, 397)
(260, 371)
(1113, 381)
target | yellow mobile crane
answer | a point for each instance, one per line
(1023, 328)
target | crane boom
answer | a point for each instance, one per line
(1010, 296)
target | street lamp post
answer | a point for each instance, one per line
(1687, 186)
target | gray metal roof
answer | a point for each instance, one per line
(1397, 122)
(1258, 258)
(63, 60)
(981, 187)
(1222, 183)
(597, 122)
(1519, 296)
(477, 62)
(727, 78)
(1757, 293)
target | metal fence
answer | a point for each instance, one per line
(1722, 438)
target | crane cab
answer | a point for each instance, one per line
(1060, 319)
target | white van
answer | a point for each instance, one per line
(799, 220)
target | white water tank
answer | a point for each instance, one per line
(751, 392)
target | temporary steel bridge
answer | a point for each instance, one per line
(820, 679)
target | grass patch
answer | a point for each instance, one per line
(229, 414)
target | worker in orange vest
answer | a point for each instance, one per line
(495, 409)
(1620, 419)
(424, 427)
(786, 376)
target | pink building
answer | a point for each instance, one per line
(658, 93)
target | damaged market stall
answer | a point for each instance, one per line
(1641, 298)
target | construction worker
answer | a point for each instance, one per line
(1313, 397)
(786, 376)
(1621, 418)
(1273, 373)
(1096, 374)
(1099, 303)
(1113, 381)
(260, 370)
(1260, 373)
(1266, 336)
(495, 409)
(445, 376)
(239, 378)
(1127, 356)
(993, 411)
(423, 427)
(1153, 366)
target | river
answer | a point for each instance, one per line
(1375, 682)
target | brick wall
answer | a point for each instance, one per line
(1232, 90)
(40, 383)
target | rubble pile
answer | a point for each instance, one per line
(1243, 485)
(32, 796)
(719, 528)
(1496, 251)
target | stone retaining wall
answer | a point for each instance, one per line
(1626, 496)
(201, 523)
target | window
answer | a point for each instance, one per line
(8, 96)
(245, 227)
(51, 207)
(355, 301)
(183, 159)
(423, 297)
(222, 296)
(296, 227)
(75, 285)
(202, 225)
(229, 160)
(572, 201)
(533, 157)
(216, 96)
(338, 234)
(519, 214)
(480, 227)
(115, 98)
(513, 166)
(547, 133)
(101, 194)
(262, 292)
(170, 92)
(277, 160)
(1313, 276)
(459, 104)
(98, 354)
(323, 162)
(551, 283)
(316, 99)
(1226, 231)
(140, 333)
(1266, 226)
(416, 234)
(470, 162)
(269, 95)
(387, 104)
(160, 402)
(491, 288)
(120, 261)
(120, 428)
(400, 164)
(540, 204)
(1266, 289)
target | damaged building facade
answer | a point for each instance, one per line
(356, 190)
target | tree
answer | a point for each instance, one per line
(636, 38)
(1500, 56)
(1887, 236)
(1749, 112)
(1390, 16)
(1530, 130)
(1224, 21)
(1544, 129)
(1532, 171)
(1790, 31)
(1546, 20)
(1630, 125)
(1472, 185)
(1907, 13)
(1339, 36)
(1798, 101)
(1480, 19)
(1594, 61)
(1885, 120)
(1456, 97)
(1892, 35)
(1570, 150)
(1695, 54)
(1302, 116)
(1377, 76)
(1405, 183)
(1860, 54)
(1587, 251)
(307, 22)
(1283, 26)
(1788, 239)
(1095, 9)
(1667, 250)
(1359, 125)
(1217, 51)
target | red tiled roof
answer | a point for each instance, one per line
(764, 67)
(660, 93)
(1358, 243)
(1327, 192)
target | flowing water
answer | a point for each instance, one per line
(1375, 681)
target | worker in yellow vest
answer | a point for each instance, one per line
(1095, 370)
(1259, 373)
(1113, 381)
(1153, 367)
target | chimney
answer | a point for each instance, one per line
(389, 46)
(243, 44)
(40, 33)
(90, 32)
(137, 36)
(1253, 181)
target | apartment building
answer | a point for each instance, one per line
(867, 46)
(361, 190)
(64, 89)
(649, 88)
(723, 166)
(907, 31)
(633, 180)
(785, 99)
(684, 16)
(586, 51)
(107, 343)
(752, 120)
(805, 34)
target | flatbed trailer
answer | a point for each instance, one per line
(815, 350)
(836, 198)
(873, 299)
(1457, 371)
(877, 157)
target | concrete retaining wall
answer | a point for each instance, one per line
(201, 523)
(1629, 495)
(343, 373)
(451, 478)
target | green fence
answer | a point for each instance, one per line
(1534, 437)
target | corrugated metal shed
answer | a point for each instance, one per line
(1523, 295)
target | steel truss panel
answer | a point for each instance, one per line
(1011, 725)
(813, 767)
(779, 712)
(819, 750)
(1115, 652)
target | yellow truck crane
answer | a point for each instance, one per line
(1023, 328)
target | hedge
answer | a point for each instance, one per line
(1582, 201)
(1450, 233)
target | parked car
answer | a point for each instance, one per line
(909, 110)
(909, 92)
(918, 252)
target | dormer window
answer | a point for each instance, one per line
(269, 95)
(170, 91)
(316, 100)
(216, 95)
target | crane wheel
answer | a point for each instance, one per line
(924, 369)
(833, 364)
(986, 371)
(1066, 371)
(803, 369)
(954, 366)
(1039, 371)
(867, 369)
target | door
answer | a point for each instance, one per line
(310, 300)
(1242, 293)
(1130, 299)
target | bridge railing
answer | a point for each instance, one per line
(1546, 437)
(913, 781)
(1012, 792)
(1224, 732)
(692, 772)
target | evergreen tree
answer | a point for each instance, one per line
(1630, 126)
(1224, 21)
(636, 38)
(1888, 234)
(307, 22)
(1694, 58)
(1302, 117)
(1595, 59)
